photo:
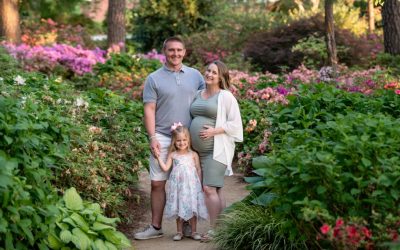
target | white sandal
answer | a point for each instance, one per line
(177, 236)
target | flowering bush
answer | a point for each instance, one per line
(49, 32)
(75, 60)
(153, 54)
(349, 235)
(126, 74)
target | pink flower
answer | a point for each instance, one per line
(339, 223)
(366, 232)
(397, 91)
(325, 228)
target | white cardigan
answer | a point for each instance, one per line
(228, 118)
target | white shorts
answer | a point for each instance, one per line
(156, 173)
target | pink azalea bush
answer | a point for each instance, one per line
(153, 54)
(45, 58)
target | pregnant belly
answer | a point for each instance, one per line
(201, 146)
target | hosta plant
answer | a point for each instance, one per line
(83, 226)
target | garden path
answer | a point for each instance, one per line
(234, 190)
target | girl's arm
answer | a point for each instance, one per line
(197, 165)
(165, 166)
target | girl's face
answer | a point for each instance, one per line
(212, 75)
(181, 142)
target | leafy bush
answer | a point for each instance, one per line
(42, 119)
(124, 73)
(344, 146)
(82, 226)
(391, 62)
(271, 50)
(47, 32)
(226, 38)
(157, 20)
(33, 140)
(108, 154)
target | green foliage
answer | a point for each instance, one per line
(82, 226)
(124, 74)
(41, 120)
(230, 30)
(252, 227)
(51, 9)
(314, 53)
(345, 146)
(109, 152)
(33, 140)
(156, 20)
(391, 62)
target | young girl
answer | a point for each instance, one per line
(185, 199)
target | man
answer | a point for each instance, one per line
(167, 96)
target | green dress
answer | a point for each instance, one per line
(204, 112)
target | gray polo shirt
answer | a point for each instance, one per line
(173, 93)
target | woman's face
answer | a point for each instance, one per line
(212, 75)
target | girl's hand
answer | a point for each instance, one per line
(207, 132)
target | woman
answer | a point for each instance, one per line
(215, 128)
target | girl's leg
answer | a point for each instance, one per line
(193, 224)
(179, 225)
(213, 203)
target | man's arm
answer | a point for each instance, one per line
(150, 125)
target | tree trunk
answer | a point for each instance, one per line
(371, 16)
(116, 23)
(391, 26)
(9, 21)
(330, 34)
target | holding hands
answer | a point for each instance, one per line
(155, 147)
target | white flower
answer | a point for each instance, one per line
(1, 79)
(19, 80)
(79, 102)
(23, 100)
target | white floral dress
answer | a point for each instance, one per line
(185, 198)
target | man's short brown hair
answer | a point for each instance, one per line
(173, 39)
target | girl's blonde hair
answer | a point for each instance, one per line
(178, 130)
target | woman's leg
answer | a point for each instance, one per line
(221, 198)
(213, 203)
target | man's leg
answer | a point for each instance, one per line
(157, 195)
(157, 202)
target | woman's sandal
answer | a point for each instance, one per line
(207, 236)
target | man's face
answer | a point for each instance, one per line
(174, 53)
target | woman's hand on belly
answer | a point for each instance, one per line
(207, 132)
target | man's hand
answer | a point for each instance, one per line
(155, 147)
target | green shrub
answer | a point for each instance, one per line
(107, 156)
(272, 49)
(33, 141)
(391, 62)
(344, 146)
(156, 20)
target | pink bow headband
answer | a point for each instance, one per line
(176, 125)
